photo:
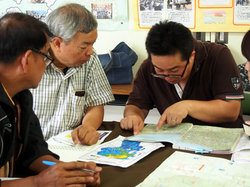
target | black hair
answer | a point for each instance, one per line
(245, 46)
(169, 38)
(18, 33)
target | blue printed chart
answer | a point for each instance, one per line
(120, 152)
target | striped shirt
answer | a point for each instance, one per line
(55, 102)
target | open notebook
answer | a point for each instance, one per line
(186, 136)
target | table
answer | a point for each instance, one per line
(121, 89)
(121, 93)
(125, 177)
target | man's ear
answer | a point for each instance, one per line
(25, 60)
(192, 56)
(57, 42)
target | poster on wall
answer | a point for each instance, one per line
(197, 15)
(110, 14)
(150, 12)
(242, 12)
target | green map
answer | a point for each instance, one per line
(198, 138)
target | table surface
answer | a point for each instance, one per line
(112, 176)
(122, 89)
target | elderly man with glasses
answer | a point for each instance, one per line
(74, 88)
(186, 80)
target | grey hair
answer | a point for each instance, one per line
(69, 19)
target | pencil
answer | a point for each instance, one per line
(49, 163)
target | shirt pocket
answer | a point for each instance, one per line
(78, 103)
(78, 100)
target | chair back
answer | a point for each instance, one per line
(245, 104)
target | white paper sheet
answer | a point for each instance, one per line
(186, 169)
(120, 153)
(242, 150)
(61, 145)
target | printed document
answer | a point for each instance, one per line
(187, 169)
(119, 152)
(63, 145)
(242, 150)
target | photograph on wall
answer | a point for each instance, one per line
(151, 5)
(179, 4)
(102, 11)
(37, 1)
(38, 14)
(242, 3)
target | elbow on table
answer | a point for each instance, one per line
(233, 116)
(232, 111)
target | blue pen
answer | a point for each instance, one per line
(49, 163)
(202, 151)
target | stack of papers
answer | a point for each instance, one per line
(186, 169)
(119, 152)
(198, 138)
(242, 150)
(63, 145)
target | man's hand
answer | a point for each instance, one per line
(69, 174)
(174, 114)
(132, 122)
(85, 135)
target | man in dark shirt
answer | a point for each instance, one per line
(24, 45)
(186, 80)
(245, 47)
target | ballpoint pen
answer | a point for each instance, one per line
(50, 163)
(64, 142)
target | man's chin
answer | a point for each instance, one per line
(83, 62)
(77, 64)
(172, 81)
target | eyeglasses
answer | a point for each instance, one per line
(47, 59)
(162, 76)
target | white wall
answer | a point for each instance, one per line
(107, 40)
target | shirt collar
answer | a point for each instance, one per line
(200, 56)
(4, 97)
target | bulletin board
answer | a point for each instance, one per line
(197, 15)
(110, 14)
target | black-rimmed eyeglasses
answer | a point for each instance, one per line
(47, 59)
(162, 76)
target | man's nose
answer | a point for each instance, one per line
(90, 50)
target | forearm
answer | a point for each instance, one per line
(94, 116)
(134, 110)
(215, 111)
(27, 182)
(37, 166)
